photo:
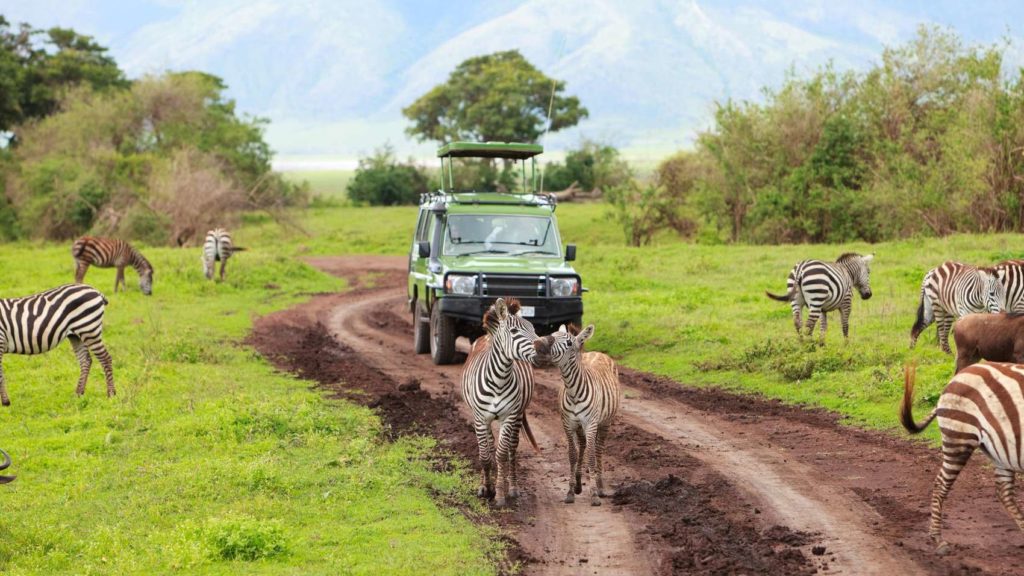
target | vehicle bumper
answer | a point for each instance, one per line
(547, 311)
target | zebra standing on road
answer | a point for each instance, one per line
(588, 403)
(823, 287)
(497, 384)
(38, 323)
(111, 253)
(217, 247)
(952, 290)
(980, 407)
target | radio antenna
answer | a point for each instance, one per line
(551, 105)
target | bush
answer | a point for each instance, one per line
(592, 166)
(246, 538)
(381, 180)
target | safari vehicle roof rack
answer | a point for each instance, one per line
(443, 199)
(516, 151)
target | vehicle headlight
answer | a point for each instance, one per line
(460, 284)
(562, 287)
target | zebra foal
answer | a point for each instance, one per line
(588, 402)
(497, 384)
(38, 323)
(826, 286)
(981, 407)
(217, 248)
(952, 290)
(111, 253)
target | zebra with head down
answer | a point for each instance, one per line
(497, 384)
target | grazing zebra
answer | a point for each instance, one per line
(497, 384)
(588, 401)
(824, 287)
(38, 323)
(953, 290)
(981, 407)
(1012, 284)
(108, 253)
(4, 466)
(217, 248)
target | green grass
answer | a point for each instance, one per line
(208, 461)
(698, 313)
(324, 184)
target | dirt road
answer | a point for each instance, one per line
(707, 482)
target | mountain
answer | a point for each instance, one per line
(333, 75)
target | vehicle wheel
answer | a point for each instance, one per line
(420, 330)
(442, 337)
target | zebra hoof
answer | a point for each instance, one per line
(595, 501)
(500, 503)
(513, 493)
(943, 548)
(569, 498)
(6, 402)
(483, 492)
(578, 488)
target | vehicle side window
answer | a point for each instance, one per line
(421, 227)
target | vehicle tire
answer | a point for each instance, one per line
(420, 330)
(442, 337)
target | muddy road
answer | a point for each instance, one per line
(706, 482)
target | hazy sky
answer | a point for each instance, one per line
(333, 75)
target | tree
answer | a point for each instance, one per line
(37, 67)
(497, 97)
(381, 180)
(592, 166)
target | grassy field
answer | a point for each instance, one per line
(327, 185)
(208, 461)
(698, 313)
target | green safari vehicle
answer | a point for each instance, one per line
(472, 247)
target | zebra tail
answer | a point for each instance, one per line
(7, 462)
(906, 406)
(922, 322)
(238, 249)
(787, 298)
(529, 433)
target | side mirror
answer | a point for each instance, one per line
(423, 248)
(570, 252)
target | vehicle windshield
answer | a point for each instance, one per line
(499, 234)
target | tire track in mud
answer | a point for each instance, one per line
(709, 482)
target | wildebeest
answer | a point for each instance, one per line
(993, 337)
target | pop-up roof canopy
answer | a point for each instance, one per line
(513, 150)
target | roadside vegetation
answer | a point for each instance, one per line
(208, 461)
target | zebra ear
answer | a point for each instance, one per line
(562, 328)
(869, 257)
(586, 334)
(501, 309)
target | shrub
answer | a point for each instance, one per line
(381, 180)
(592, 166)
(246, 538)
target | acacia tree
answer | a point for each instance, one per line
(496, 97)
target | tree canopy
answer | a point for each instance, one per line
(496, 97)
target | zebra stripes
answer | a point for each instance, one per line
(111, 253)
(952, 290)
(497, 384)
(4, 466)
(823, 287)
(38, 323)
(1012, 284)
(217, 247)
(588, 403)
(981, 407)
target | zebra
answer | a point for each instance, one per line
(4, 466)
(823, 287)
(217, 248)
(981, 407)
(38, 323)
(588, 403)
(497, 384)
(1012, 285)
(952, 290)
(111, 252)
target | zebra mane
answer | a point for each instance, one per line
(490, 321)
(847, 256)
(573, 329)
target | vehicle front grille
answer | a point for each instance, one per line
(527, 286)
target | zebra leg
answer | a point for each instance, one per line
(485, 445)
(507, 437)
(954, 458)
(4, 399)
(80, 268)
(208, 268)
(602, 434)
(797, 307)
(84, 362)
(595, 500)
(513, 463)
(812, 319)
(570, 437)
(581, 450)
(100, 351)
(943, 326)
(223, 263)
(1005, 485)
(844, 318)
(824, 325)
(120, 279)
